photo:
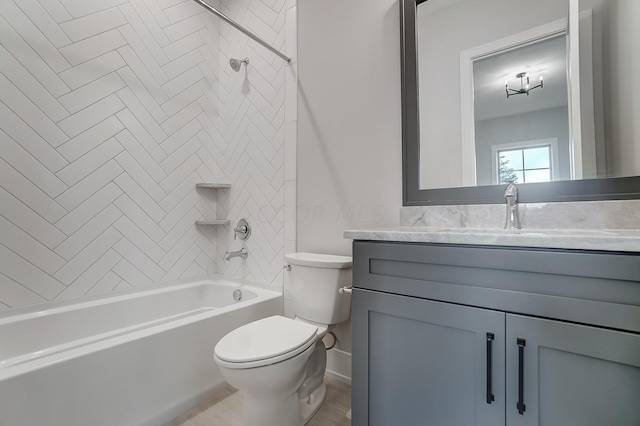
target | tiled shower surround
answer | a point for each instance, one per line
(110, 112)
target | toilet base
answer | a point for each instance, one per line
(311, 404)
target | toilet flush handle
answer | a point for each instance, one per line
(348, 289)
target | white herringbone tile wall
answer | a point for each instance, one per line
(110, 112)
(250, 123)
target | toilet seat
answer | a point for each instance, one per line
(263, 342)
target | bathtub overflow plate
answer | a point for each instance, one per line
(237, 295)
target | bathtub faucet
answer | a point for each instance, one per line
(243, 253)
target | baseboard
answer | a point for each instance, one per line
(339, 365)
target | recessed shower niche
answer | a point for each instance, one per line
(213, 185)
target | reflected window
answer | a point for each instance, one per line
(523, 164)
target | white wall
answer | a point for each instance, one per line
(110, 112)
(349, 123)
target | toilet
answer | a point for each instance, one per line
(279, 363)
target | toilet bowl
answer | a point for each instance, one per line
(266, 360)
(278, 363)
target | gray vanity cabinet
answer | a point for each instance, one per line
(426, 362)
(474, 335)
(572, 374)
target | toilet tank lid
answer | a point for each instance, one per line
(319, 260)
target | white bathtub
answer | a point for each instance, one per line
(136, 358)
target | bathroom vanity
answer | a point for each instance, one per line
(465, 326)
(483, 334)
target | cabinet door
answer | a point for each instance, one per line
(419, 362)
(571, 374)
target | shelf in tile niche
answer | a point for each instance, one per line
(211, 185)
(213, 222)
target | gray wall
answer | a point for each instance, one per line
(549, 123)
(349, 123)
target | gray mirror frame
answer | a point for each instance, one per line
(625, 188)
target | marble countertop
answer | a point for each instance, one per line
(581, 239)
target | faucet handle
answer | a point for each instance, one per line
(237, 230)
(242, 230)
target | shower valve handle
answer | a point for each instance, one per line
(242, 230)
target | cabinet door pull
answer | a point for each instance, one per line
(490, 397)
(521, 407)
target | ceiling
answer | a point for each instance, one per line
(546, 58)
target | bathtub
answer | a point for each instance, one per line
(141, 357)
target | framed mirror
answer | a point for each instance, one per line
(497, 90)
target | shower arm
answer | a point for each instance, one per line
(242, 29)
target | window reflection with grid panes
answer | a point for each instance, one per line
(525, 165)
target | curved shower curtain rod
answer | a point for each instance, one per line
(242, 29)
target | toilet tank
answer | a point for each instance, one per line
(313, 284)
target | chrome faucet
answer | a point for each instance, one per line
(243, 253)
(511, 197)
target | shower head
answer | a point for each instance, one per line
(235, 63)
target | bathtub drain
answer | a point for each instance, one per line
(237, 295)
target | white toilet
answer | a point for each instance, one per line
(279, 363)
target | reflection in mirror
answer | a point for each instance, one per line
(519, 118)
(479, 47)
(467, 50)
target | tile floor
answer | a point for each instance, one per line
(226, 409)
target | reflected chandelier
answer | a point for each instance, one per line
(524, 86)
